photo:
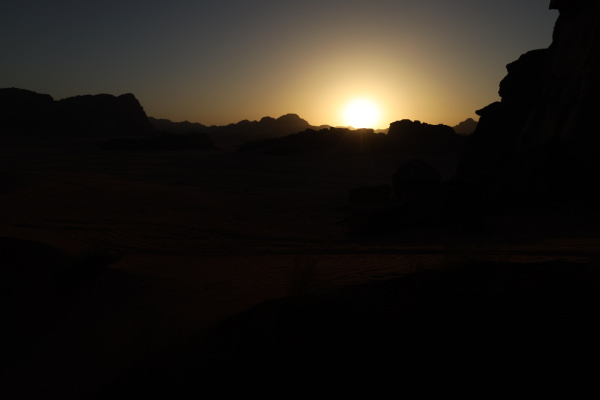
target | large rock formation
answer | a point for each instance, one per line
(420, 134)
(424, 140)
(267, 127)
(236, 134)
(538, 145)
(465, 127)
(23, 112)
(405, 138)
(102, 115)
(331, 141)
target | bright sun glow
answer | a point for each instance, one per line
(361, 113)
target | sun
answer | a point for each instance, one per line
(361, 113)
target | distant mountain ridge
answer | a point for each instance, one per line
(24, 112)
(240, 132)
(284, 125)
(466, 127)
(185, 127)
(405, 137)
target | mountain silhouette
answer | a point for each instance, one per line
(327, 141)
(102, 115)
(184, 127)
(405, 137)
(235, 134)
(466, 127)
(27, 113)
(267, 127)
(24, 112)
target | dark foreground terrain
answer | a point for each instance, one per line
(150, 274)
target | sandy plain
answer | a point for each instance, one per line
(188, 239)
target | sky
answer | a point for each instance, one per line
(219, 62)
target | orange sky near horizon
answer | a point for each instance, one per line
(221, 62)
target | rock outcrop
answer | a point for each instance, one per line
(424, 140)
(332, 141)
(23, 112)
(419, 134)
(540, 144)
(267, 127)
(405, 139)
(465, 127)
(102, 115)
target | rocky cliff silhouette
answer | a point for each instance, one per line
(103, 115)
(417, 137)
(23, 112)
(466, 127)
(537, 151)
(540, 145)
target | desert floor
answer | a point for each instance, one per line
(112, 257)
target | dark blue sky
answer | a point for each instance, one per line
(220, 62)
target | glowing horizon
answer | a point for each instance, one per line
(362, 113)
(218, 63)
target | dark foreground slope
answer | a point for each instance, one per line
(200, 237)
(472, 329)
